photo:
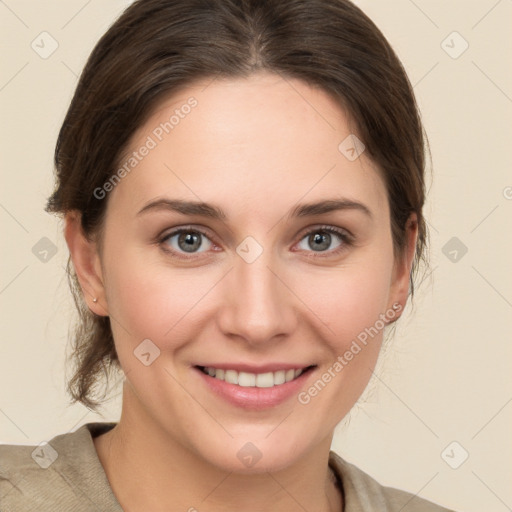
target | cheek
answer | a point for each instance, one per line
(148, 299)
(349, 301)
(351, 305)
(152, 301)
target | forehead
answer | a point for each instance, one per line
(260, 142)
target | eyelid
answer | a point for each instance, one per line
(347, 239)
(329, 228)
(185, 227)
(162, 238)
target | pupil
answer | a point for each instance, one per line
(191, 242)
(317, 238)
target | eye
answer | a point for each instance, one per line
(186, 241)
(322, 238)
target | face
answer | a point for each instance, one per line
(257, 284)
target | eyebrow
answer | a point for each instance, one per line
(214, 212)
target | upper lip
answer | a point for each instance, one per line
(251, 368)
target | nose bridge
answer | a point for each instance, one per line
(259, 306)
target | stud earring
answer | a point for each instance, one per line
(95, 299)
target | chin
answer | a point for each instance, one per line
(250, 455)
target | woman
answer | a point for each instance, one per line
(242, 184)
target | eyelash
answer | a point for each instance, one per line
(346, 239)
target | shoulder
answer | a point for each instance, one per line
(364, 494)
(54, 475)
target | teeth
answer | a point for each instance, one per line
(246, 379)
(231, 376)
(279, 377)
(259, 380)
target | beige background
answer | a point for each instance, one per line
(447, 377)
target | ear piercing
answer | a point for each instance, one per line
(95, 299)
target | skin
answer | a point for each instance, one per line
(255, 147)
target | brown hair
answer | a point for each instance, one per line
(159, 46)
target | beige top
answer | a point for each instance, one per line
(66, 475)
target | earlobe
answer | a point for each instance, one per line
(86, 262)
(403, 266)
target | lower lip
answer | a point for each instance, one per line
(254, 398)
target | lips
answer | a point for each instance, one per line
(254, 390)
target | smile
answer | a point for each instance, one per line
(259, 380)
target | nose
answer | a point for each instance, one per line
(258, 305)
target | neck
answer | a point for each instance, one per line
(148, 469)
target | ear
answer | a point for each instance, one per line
(399, 292)
(87, 264)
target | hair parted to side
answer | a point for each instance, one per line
(157, 47)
